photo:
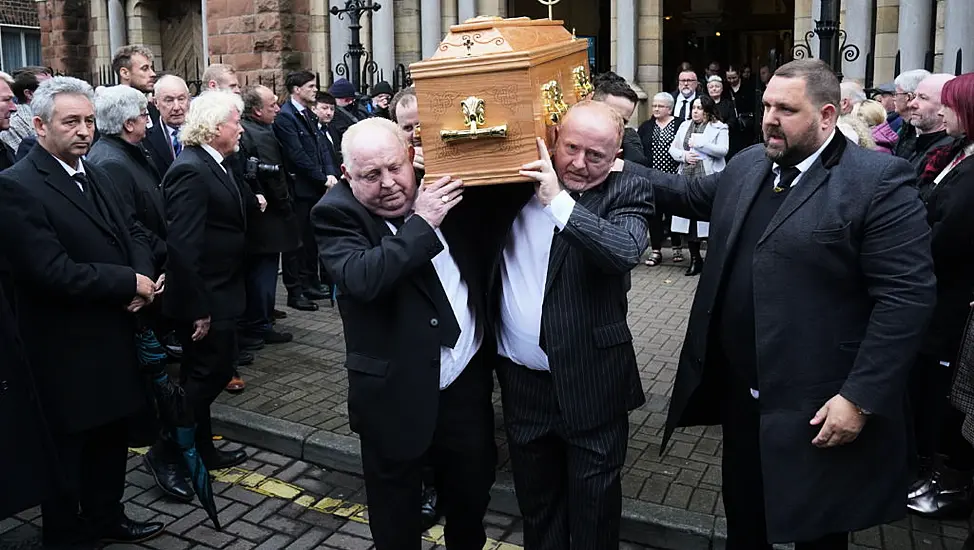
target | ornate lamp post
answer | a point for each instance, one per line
(832, 40)
(354, 9)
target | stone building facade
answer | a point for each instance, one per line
(643, 40)
(19, 34)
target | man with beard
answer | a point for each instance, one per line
(685, 94)
(806, 321)
(928, 125)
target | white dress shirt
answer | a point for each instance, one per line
(804, 165)
(215, 154)
(524, 273)
(72, 171)
(680, 100)
(454, 360)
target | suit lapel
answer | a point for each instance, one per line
(58, 178)
(751, 185)
(591, 200)
(224, 178)
(419, 279)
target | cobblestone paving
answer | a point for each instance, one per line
(271, 502)
(305, 382)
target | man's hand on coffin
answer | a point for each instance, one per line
(419, 162)
(434, 201)
(543, 172)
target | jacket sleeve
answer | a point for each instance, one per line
(38, 259)
(363, 271)
(691, 198)
(719, 146)
(632, 148)
(676, 148)
(615, 242)
(186, 209)
(898, 271)
(289, 135)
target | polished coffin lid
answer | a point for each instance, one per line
(493, 71)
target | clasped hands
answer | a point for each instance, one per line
(841, 422)
(145, 291)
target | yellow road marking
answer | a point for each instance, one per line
(268, 486)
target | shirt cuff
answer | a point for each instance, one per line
(560, 209)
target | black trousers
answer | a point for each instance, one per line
(937, 425)
(743, 483)
(207, 367)
(463, 457)
(92, 478)
(568, 483)
(300, 268)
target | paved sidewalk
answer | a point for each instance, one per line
(305, 383)
(271, 502)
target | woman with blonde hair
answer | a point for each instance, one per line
(873, 115)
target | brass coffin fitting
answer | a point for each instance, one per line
(554, 103)
(583, 84)
(473, 109)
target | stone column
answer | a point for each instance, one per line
(466, 9)
(492, 7)
(626, 39)
(116, 25)
(958, 36)
(384, 39)
(816, 15)
(914, 34)
(339, 36)
(887, 41)
(320, 45)
(430, 15)
(448, 10)
(411, 31)
(649, 56)
(859, 28)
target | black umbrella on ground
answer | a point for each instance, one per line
(178, 424)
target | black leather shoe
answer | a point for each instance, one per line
(224, 459)
(130, 531)
(301, 303)
(315, 294)
(945, 493)
(695, 267)
(245, 358)
(250, 344)
(169, 476)
(274, 337)
(430, 516)
(278, 314)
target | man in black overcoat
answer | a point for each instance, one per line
(80, 270)
(805, 324)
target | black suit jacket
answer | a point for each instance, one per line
(843, 288)
(138, 183)
(305, 150)
(159, 146)
(74, 272)
(391, 339)
(207, 225)
(583, 321)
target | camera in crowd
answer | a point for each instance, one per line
(255, 167)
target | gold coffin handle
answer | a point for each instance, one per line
(554, 103)
(473, 109)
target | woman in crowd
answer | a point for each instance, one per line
(725, 106)
(700, 146)
(873, 115)
(657, 134)
(944, 487)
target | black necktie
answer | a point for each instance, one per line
(683, 109)
(788, 175)
(82, 181)
(575, 195)
(397, 222)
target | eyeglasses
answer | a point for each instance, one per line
(909, 95)
(144, 115)
(687, 81)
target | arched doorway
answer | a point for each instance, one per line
(753, 32)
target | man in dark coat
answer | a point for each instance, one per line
(207, 211)
(347, 109)
(260, 164)
(312, 171)
(162, 139)
(806, 321)
(926, 131)
(79, 271)
(623, 99)
(558, 302)
(412, 302)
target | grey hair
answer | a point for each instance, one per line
(370, 127)
(6, 78)
(208, 111)
(116, 105)
(852, 91)
(43, 102)
(163, 81)
(665, 97)
(909, 80)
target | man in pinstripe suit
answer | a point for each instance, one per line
(565, 358)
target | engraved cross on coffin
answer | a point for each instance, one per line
(491, 87)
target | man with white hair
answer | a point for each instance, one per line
(927, 130)
(207, 214)
(80, 269)
(171, 97)
(411, 295)
(904, 90)
(851, 95)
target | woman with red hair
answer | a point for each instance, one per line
(947, 490)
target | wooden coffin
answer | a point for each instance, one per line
(492, 86)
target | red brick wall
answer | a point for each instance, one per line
(19, 12)
(65, 35)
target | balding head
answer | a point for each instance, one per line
(926, 104)
(589, 141)
(171, 96)
(378, 167)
